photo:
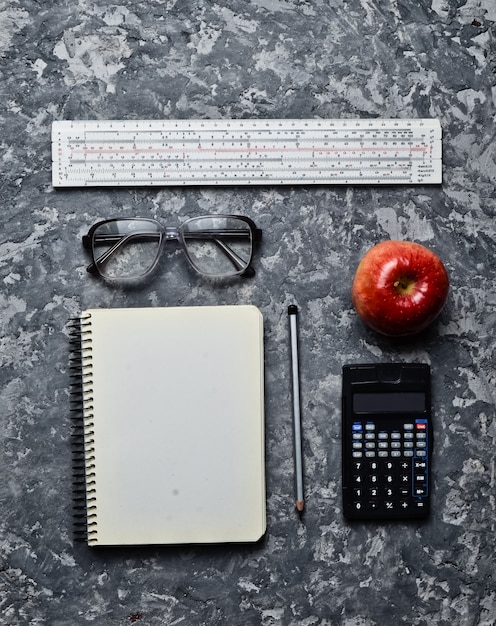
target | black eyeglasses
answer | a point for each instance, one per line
(128, 249)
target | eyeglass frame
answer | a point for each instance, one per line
(172, 233)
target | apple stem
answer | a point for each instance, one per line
(403, 285)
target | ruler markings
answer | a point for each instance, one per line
(301, 161)
(252, 148)
(262, 148)
(231, 180)
(178, 165)
(247, 171)
(251, 171)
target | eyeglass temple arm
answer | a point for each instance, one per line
(105, 240)
(215, 235)
(120, 240)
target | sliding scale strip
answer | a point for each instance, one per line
(246, 152)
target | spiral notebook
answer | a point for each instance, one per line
(169, 425)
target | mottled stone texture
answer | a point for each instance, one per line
(62, 59)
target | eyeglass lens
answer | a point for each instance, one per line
(218, 246)
(126, 249)
(129, 249)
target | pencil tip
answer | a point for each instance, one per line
(300, 505)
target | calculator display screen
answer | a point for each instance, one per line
(391, 402)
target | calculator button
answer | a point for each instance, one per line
(389, 470)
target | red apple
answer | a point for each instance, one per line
(399, 287)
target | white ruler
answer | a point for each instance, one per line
(246, 152)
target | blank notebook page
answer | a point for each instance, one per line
(174, 419)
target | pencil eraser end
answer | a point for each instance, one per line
(292, 309)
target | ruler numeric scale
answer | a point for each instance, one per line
(246, 152)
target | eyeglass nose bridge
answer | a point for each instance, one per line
(171, 233)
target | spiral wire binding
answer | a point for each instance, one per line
(82, 434)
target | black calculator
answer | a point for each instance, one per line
(387, 441)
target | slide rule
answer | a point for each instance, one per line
(246, 152)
